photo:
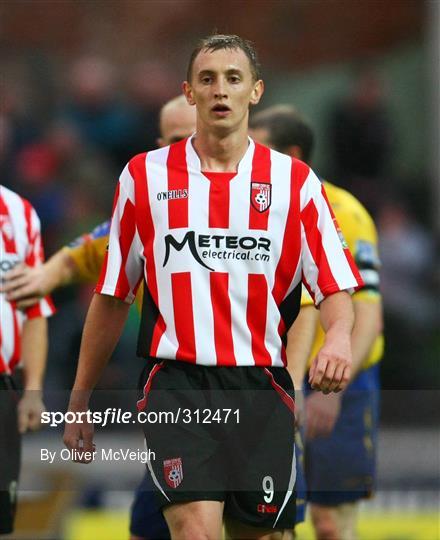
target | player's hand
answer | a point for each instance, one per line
(78, 436)
(331, 369)
(322, 412)
(30, 408)
(25, 285)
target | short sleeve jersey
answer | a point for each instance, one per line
(88, 253)
(360, 235)
(222, 259)
(20, 242)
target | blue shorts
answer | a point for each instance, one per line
(341, 468)
(146, 519)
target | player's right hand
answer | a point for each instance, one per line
(25, 285)
(322, 412)
(78, 436)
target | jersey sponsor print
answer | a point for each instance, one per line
(222, 254)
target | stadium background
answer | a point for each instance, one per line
(81, 86)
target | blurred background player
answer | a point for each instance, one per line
(340, 428)
(23, 343)
(80, 262)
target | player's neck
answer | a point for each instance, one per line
(220, 152)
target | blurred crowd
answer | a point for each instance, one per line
(65, 139)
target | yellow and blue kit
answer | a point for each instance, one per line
(340, 468)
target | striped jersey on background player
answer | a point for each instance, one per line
(23, 342)
(223, 269)
(20, 242)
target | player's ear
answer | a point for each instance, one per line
(257, 92)
(187, 91)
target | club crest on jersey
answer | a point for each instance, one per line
(173, 472)
(261, 195)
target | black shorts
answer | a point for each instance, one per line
(9, 454)
(225, 434)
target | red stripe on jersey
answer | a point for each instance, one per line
(302, 171)
(144, 220)
(128, 225)
(34, 311)
(116, 197)
(183, 316)
(8, 236)
(256, 315)
(17, 339)
(221, 306)
(105, 261)
(31, 255)
(3, 366)
(178, 181)
(290, 251)
(309, 216)
(347, 253)
(281, 333)
(287, 399)
(261, 174)
(142, 403)
(219, 191)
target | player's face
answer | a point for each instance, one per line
(177, 124)
(222, 88)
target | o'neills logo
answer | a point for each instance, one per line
(218, 246)
(172, 194)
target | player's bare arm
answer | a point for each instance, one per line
(34, 352)
(368, 325)
(331, 369)
(299, 343)
(26, 285)
(102, 330)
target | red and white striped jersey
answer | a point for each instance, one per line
(223, 255)
(20, 242)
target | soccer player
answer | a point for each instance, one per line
(23, 343)
(246, 219)
(341, 428)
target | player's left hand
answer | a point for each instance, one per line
(322, 412)
(24, 285)
(30, 408)
(331, 369)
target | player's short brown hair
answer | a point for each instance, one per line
(216, 42)
(286, 127)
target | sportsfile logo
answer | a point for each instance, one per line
(221, 247)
